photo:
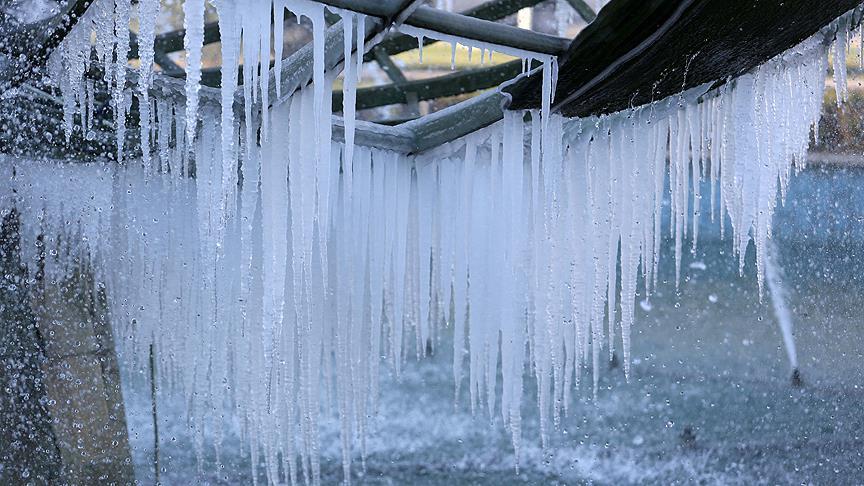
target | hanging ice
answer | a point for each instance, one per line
(193, 41)
(339, 254)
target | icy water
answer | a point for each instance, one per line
(709, 401)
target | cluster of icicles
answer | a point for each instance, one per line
(273, 276)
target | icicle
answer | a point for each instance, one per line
(452, 56)
(840, 48)
(229, 31)
(774, 277)
(350, 80)
(147, 12)
(420, 48)
(263, 66)
(120, 97)
(321, 117)
(193, 42)
(278, 43)
(360, 45)
(144, 121)
(340, 254)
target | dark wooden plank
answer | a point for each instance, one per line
(638, 51)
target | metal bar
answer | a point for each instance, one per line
(462, 82)
(153, 411)
(412, 136)
(456, 121)
(584, 10)
(463, 118)
(388, 66)
(386, 9)
(492, 10)
(470, 28)
(297, 71)
(173, 41)
(160, 58)
(371, 134)
(168, 66)
(486, 31)
(399, 80)
(498, 9)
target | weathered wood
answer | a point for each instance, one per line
(82, 380)
(638, 51)
(68, 373)
(28, 449)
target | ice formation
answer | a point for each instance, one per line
(777, 289)
(273, 273)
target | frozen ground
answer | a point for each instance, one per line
(709, 359)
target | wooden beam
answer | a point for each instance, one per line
(640, 51)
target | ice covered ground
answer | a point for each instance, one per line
(708, 360)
